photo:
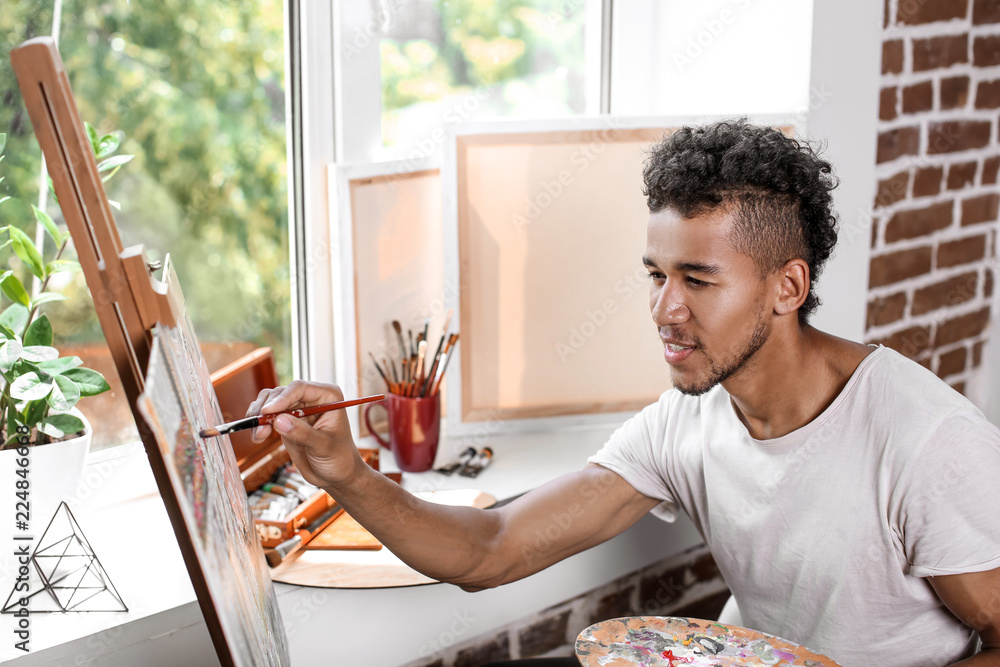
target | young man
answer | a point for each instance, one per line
(850, 498)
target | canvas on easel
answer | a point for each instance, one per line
(148, 330)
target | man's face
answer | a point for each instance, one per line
(707, 299)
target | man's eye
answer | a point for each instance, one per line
(655, 276)
(694, 282)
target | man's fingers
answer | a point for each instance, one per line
(297, 394)
(300, 393)
(262, 398)
(260, 433)
(295, 430)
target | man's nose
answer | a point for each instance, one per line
(667, 308)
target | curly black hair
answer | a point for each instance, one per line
(778, 187)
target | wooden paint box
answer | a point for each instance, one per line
(236, 386)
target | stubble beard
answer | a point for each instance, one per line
(720, 372)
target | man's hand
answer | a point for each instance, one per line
(321, 445)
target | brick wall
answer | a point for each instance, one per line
(935, 218)
(688, 584)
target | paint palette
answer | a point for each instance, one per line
(657, 641)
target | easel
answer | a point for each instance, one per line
(128, 299)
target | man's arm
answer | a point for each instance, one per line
(472, 548)
(975, 599)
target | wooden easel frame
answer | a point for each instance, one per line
(128, 299)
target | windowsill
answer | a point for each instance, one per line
(120, 511)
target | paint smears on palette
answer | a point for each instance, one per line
(656, 641)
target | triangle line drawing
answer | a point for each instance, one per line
(69, 570)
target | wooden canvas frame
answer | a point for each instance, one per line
(363, 324)
(464, 419)
(129, 302)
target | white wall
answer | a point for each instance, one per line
(843, 111)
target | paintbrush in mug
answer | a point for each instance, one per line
(263, 420)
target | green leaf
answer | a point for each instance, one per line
(90, 382)
(3, 141)
(58, 425)
(57, 265)
(3, 199)
(23, 366)
(92, 135)
(14, 317)
(10, 352)
(11, 422)
(39, 353)
(34, 412)
(27, 251)
(64, 394)
(30, 387)
(14, 290)
(6, 243)
(7, 333)
(46, 221)
(46, 297)
(108, 144)
(112, 202)
(60, 365)
(112, 164)
(39, 332)
(52, 189)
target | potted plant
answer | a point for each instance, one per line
(40, 388)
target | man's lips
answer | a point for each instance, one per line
(676, 351)
(677, 342)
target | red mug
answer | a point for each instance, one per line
(414, 426)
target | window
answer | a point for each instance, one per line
(448, 61)
(712, 57)
(443, 62)
(199, 93)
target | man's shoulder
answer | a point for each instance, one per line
(903, 396)
(894, 378)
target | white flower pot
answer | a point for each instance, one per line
(53, 474)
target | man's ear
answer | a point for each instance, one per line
(791, 286)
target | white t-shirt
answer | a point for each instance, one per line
(824, 535)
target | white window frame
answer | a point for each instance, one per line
(842, 113)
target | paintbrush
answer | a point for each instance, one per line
(263, 420)
(421, 353)
(445, 358)
(379, 369)
(399, 334)
(437, 353)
